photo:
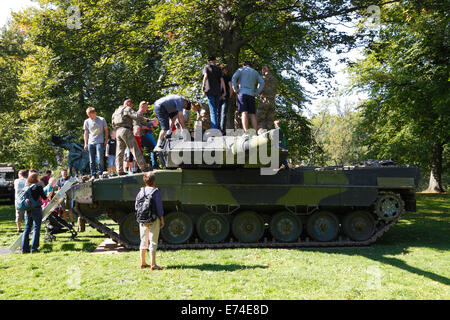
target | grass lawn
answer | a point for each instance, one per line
(411, 261)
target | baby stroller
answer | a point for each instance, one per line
(54, 224)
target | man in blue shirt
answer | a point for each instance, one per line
(170, 107)
(247, 78)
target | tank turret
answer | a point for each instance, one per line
(186, 150)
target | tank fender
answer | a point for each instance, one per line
(81, 193)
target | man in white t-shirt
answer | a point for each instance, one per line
(95, 139)
(19, 184)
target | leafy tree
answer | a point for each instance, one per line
(338, 140)
(289, 36)
(68, 69)
(406, 72)
(144, 49)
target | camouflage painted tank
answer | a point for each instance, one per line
(237, 206)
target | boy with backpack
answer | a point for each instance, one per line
(150, 216)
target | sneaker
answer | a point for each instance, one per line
(92, 178)
(157, 149)
(122, 173)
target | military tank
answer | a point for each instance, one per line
(233, 205)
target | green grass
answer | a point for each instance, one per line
(411, 261)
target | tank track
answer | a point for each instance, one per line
(341, 242)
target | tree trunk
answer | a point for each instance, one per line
(232, 67)
(435, 184)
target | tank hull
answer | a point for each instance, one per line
(296, 207)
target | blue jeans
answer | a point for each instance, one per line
(96, 160)
(223, 114)
(214, 106)
(111, 161)
(148, 141)
(33, 220)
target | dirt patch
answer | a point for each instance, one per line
(109, 247)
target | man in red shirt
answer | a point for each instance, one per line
(46, 177)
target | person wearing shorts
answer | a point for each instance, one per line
(244, 83)
(149, 232)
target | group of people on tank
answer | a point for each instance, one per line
(132, 131)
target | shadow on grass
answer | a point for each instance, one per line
(381, 254)
(217, 267)
(76, 245)
(416, 230)
(7, 213)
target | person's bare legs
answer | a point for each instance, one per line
(244, 117)
(143, 263)
(153, 264)
(254, 121)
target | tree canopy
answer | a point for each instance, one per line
(406, 72)
(66, 55)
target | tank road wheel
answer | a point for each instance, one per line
(389, 206)
(129, 230)
(358, 225)
(178, 228)
(89, 210)
(212, 228)
(285, 227)
(323, 226)
(248, 226)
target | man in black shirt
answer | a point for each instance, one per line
(224, 100)
(212, 87)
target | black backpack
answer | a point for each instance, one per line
(145, 207)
